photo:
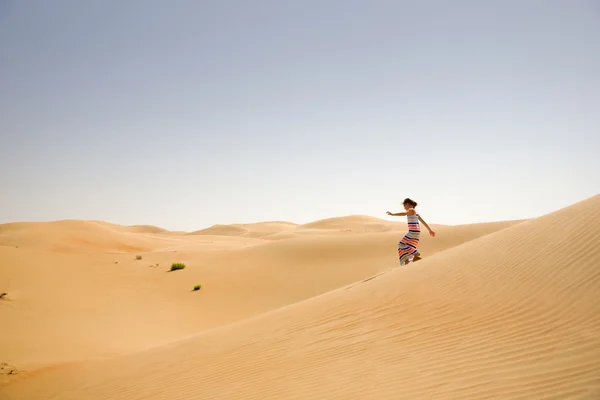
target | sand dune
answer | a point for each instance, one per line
(222, 230)
(347, 222)
(82, 237)
(255, 230)
(99, 294)
(511, 314)
(146, 229)
(54, 294)
(284, 230)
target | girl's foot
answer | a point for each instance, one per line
(416, 258)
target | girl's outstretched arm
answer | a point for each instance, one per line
(396, 214)
(432, 233)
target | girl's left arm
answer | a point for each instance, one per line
(432, 233)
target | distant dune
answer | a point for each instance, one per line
(348, 222)
(494, 310)
(82, 236)
(250, 230)
(146, 229)
(285, 230)
(222, 230)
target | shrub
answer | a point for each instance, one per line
(176, 266)
(138, 257)
(197, 287)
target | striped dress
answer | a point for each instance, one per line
(407, 247)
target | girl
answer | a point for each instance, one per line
(407, 247)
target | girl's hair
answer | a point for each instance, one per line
(412, 203)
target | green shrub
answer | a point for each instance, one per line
(176, 266)
(197, 287)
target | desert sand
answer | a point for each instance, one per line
(507, 310)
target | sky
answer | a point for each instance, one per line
(185, 114)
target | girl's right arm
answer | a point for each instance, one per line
(397, 214)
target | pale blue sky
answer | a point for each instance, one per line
(184, 114)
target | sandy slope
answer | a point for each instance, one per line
(70, 305)
(514, 314)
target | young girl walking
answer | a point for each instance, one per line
(407, 246)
